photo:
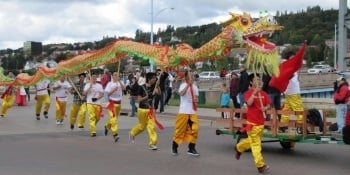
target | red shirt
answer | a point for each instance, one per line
(254, 112)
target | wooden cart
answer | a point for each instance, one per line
(272, 133)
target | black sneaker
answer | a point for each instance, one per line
(174, 151)
(37, 118)
(93, 135)
(116, 138)
(71, 127)
(81, 127)
(45, 115)
(263, 169)
(237, 154)
(106, 131)
(193, 152)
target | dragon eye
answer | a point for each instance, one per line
(244, 21)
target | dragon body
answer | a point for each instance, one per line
(238, 31)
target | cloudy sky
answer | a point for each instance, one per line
(69, 21)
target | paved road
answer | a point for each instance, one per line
(30, 147)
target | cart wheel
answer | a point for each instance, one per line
(287, 145)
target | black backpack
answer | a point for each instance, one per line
(315, 118)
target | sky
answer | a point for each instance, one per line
(71, 21)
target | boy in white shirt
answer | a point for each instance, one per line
(42, 97)
(187, 119)
(114, 90)
(62, 88)
(93, 92)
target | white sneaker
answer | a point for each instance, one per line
(152, 147)
(131, 138)
(58, 122)
(61, 122)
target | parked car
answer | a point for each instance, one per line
(321, 68)
(209, 74)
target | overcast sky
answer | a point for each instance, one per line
(69, 21)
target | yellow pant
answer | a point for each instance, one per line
(253, 142)
(60, 110)
(145, 121)
(294, 103)
(7, 103)
(40, 99)
(80, 111)
(112, 122)
(186, 128)
(94, 116)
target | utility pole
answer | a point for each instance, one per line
(343, 24)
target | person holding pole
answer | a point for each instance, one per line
(186, 123)
(78, 101)
(114, 91)
(257, 102)
(146, 112)
(94, 94)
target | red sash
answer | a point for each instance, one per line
(110, 106)
(194, 106)
(152, 114)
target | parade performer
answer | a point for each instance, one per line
(114, 91)
(21, 96)
(288, 82)
(62, 89)
(94, 94)
(145, 112)
(79, 102)
(42, 97)
(8, 98)
(257, 102)
(186, 123)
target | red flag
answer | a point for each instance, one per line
(287, 69)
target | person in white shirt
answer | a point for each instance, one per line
(94, 93)
(62, 88)
(292, 98)
(114, 90)
(42, 97)
(186, 123)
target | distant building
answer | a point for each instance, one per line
(330, 44)
(32, 48)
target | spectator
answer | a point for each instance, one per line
(224, 100)
(234, 91)
(243, 84)
(341, 98)
(223, 73)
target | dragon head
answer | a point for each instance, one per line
(262, 54)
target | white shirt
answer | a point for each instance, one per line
(116, 95)
(93, 93)
(141, 81)
(171, 79)
(41, 87)
(186, 106)
(62, 92)
(293, 85)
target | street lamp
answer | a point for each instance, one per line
(152, 21)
